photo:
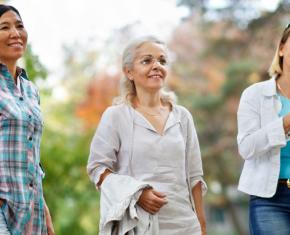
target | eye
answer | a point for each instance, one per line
(163, 61)
(4, 28)
(146, 61)
(20, 26)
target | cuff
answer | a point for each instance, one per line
(275, 133)
(100, 170)
(194, 181)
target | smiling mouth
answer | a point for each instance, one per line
(155, 76)
(16, 44)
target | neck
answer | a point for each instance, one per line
(150, 100)
(11, 66)
(284, 79)
(283, 84)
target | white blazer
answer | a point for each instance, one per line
(260, 138)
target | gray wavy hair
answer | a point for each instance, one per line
(127, 87)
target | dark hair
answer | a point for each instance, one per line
(4, 8)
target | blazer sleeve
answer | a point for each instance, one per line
(104, 147)
(254, 140)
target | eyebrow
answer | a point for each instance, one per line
(16, 22)
(149, 55)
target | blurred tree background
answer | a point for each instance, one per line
(217, 52)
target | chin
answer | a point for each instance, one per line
(156, 88)
(16, 56)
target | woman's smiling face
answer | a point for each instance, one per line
(150, 67)
(13, 37)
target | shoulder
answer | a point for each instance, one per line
(182, 112)
(257, 89)
(32, 86)
(117, 112)
(28, 84)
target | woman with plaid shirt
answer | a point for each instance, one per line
(23, 208)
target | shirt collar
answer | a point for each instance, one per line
(18, 82)
(270, 87)
(20, 71)
(140, 120)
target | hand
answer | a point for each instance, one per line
(286, 123)
(151, 200)
(49, 225)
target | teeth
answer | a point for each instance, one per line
(15, 44)
(155, 76)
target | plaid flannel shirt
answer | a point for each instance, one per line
(20, 171)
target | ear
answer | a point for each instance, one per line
(281, 51)
(128, 73)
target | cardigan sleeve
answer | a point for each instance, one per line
(104, 147)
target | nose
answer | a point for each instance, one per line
(14, 32)
(156, 64)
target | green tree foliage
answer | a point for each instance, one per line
(70, 195)
(34, 67)
(72, 199)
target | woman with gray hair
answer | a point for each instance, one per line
(145, 135)
(263, 141)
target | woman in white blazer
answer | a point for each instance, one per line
(146, 136)
(263, 141)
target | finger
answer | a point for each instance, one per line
(159, 201)
(153, 209)
(158, 194)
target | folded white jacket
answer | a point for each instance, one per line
(119, 211)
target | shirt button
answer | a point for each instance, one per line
(29, 116)
(30, 138)
(31, 184)
(21, 98)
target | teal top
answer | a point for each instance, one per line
(285, 151)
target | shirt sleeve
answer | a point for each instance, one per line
(253, 139)
(104, 147)
(193, 154)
